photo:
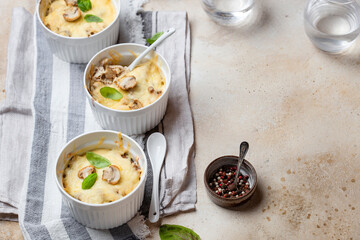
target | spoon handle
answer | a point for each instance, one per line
(156, 146)
(244, 146)
(154, 204)
(167, 34)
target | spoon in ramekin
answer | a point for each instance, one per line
(137, 60)
(244, 146)
(156, 148)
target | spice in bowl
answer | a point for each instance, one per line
(224, 177)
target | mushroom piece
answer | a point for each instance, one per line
(136, 104)
(72, 13)
(127, 82)
(111, 174)
(86, 171)
(113, 70)
(71, 2)
(99, 73)
(151, 89)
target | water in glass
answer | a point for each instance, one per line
(332, 25)
(228, 12)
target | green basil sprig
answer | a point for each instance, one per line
(84, 5)
(112, 93)
(92, 18)
(171, 232)
(154, 38)
(96, 160)
(89, 181)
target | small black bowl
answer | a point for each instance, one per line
(246, 169)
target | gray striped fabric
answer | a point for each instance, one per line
(60, 113)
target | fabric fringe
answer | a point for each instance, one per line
(139, 227)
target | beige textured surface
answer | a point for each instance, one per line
(297, 107)
(299, 110)
(9, 230)
(6, 7)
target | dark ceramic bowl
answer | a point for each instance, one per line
(246, 169)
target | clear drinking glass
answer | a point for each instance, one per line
(332, 25)
(228, 12)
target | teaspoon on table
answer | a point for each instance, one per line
(137, 60)
(244, 146)
(156, 147)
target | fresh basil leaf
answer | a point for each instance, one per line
(96, 160)
(174, 232)
(112, 93)
(84, 5)
(89, 181)
(154, 38)
(92, 18)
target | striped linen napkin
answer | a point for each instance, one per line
(46, 107)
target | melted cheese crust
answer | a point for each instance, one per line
(101, 191)
(55, 21)
(147, 75)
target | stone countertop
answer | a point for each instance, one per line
(298, 108)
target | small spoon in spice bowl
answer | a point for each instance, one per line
(156, 147)
(244, 146)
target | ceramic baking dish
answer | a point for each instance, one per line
(129, 121)
(79, 49)
(107, 215)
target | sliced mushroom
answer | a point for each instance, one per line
(127, 82)
(151, 89)
(113, 70)
(111, 174)
(86, 171)
(71, 2)
(72, 13)
(99, 73)
(136, 104)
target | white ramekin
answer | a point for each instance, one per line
(107, 215)
(79, 49)
(132, 121)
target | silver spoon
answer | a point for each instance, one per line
(137, 60)
(156, 147)
(244, 146)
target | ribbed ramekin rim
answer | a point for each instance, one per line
(133, 192)
(77, 38)
(167, 89)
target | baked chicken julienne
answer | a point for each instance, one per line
(111, 181)
(136, 89)
(66, 18)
